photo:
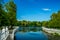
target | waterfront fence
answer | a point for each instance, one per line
(4, 33)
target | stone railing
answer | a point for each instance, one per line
(4, 33)
(13, 32)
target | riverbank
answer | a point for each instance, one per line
(51, 30)
(53, 34)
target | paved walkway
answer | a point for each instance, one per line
(9, 38)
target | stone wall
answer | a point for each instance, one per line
(51, 30)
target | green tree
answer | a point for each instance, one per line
(55, 20)
(45, 23)
(11, 12)
(3, 15)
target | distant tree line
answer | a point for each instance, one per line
(54, 22)
(25, 23)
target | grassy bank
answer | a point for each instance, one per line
(54, 36)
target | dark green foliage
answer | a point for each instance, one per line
(54, 22)
(3, 15)
(45, 23)
(7, 13)
(29, 23)
(11, 10)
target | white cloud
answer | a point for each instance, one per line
(46, 9)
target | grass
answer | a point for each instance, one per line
(54, 36)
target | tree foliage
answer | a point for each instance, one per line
(55, 20)
(7, 13)
(3, 15)
(25, 23)
(11, 10)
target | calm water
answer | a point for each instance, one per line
(31, 36)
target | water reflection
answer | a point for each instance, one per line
(30, 33)
(28, 29)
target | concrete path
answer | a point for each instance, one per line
(11, 34)
(9, 37)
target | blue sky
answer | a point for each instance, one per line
(36, 10)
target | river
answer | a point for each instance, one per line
(31, 35)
